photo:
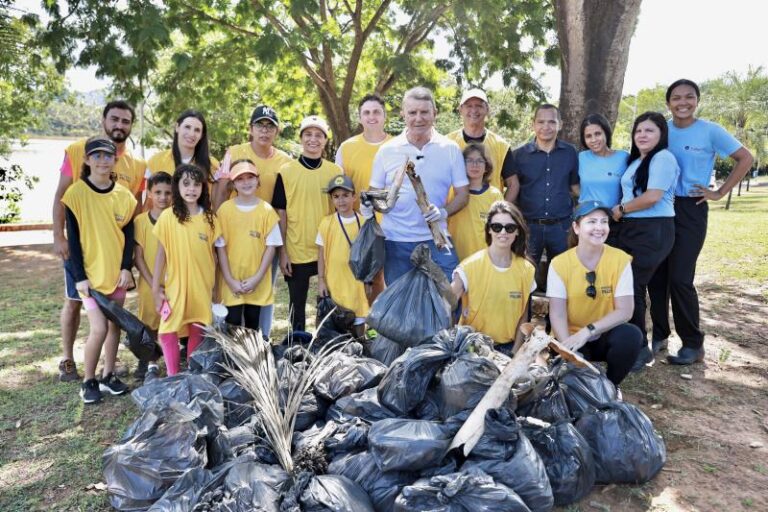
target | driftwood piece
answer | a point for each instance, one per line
(441, 241)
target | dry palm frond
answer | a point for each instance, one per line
(254, 368)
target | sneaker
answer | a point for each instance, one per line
(659, 346)
(90, 392)
(644, 360)
(153, 373)
(68, 371)
(112, 385)
(141, 370)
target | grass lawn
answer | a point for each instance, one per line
(51, 444)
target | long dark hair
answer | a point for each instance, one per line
(642, 172)
(85, 170)
(520, 245)
(179, 207)
(202, 156)
(600, 121)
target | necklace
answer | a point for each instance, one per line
(307, 165)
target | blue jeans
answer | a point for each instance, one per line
(398, 260)
(552, 237)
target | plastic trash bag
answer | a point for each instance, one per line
(310, 409)
(238, 408)
(466, 491)
(364, 405)
(349, 437)
(139, 338)
(230, 443)
(325, 493)
(411, 309)
(625, 446)
(429, 408)
(382, 488)
(367, 254)
(345, 375)
(341, 319)
(506, 454)
(183, 494)
(408, 445)
(209, 358)
(568, 459)
(545, 401)
(384, 350)
(464, 382)
(585, 390)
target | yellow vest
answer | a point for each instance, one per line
(357, 160)
(245, 234)
(496, 300)
(190, 268)
(342, 285)
(142, 230)
(101, 217)
(497, 148)
(267, 167)
(307, 202)
(129, 169)
(467, 226)
(583, 310)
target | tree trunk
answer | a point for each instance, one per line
(594, 38)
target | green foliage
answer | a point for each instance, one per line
(69, 115)
(13, 181)
(630, 107)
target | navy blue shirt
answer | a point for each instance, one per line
(545, 179)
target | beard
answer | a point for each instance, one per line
(117, 135)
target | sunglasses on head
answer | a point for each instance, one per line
(496, 227)
(591, 290)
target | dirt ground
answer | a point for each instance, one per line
(715, 424)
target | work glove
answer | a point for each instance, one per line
(435, 214)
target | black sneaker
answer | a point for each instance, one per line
(68, 371)
(112, 385)
(90, 392)
(141, 370)
(644, 360)
(153, 373)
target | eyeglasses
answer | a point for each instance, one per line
(472, 161)
(591, 290)
(496, 227)
(265, 127)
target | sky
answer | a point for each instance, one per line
(695, 39)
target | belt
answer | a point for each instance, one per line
(545, 222)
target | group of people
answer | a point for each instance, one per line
(206, 231)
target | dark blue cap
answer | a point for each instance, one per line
(588, 207)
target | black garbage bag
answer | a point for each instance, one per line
(367, 254)
(545, 401)
(506, 454)
(238, 403)
(310, 408)
(341, 319)
(384, 350)
(325, 493)
(429, 408)
(291, 340)
(411, 309)
(351, 436)
(184, 493)
(408, 445)
(345, 374)
(209, 358)
(139, 338)
(567, 457)
(314, 435)
(254, 487)
(466, 491)
(625, 446)
(364, 405)
(231, 443)
(382, 488)
(464, 382)
(585, 390)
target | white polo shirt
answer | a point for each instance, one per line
(440, 165)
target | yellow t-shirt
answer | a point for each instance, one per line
(497, 148)
(496, 299)
(267, 167)
(142, 230)
(129, 169)
(190, 268)
(307, 202)
(467, 226)
(342, 285)
(245, 234)
(356, 158)
(581, 309)
(163, 161)
(101, 216)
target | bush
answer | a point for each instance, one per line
(13, 180)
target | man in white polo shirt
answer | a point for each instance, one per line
(440, 165)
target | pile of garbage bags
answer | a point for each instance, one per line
(373, 435)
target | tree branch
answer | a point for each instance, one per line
(219, 21)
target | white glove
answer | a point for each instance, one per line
(435, 214)
(366, 210)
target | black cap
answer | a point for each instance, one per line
(100, 144)
(588, 207)
(264, 112)
(341, 181)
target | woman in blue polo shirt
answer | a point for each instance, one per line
(695, 143)
(647, 210)
(600, 167)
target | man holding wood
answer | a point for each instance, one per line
(439, 163)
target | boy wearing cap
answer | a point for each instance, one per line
(301, 202)
(334, 239)
(246, 248)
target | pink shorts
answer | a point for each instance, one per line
(90, 303)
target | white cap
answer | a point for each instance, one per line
(473, 93)
(314, 122)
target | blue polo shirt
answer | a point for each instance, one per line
(600, 176)
(545, 179)
(662, 175)
(695, 148)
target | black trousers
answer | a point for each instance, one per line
(674, 277)
(649, 242)
(298, 287)
(244, 314)
(618, 347)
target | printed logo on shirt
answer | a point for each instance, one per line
(606, 290)
(124, 177)
(203, 237)
(119, 218)
(515, 295)
(695, 148)
(483, 215)
(254, 234)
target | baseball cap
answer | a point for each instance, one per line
(314, 122)
(242, 167)
(264, 112)
(473, 93)
(587, 207)
(100, 144)
(341, 181)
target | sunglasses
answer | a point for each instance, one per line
(496, 227)
(591, 290)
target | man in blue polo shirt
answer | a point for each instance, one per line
(541, 180)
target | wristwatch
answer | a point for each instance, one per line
(621, 208)
(592, 329)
